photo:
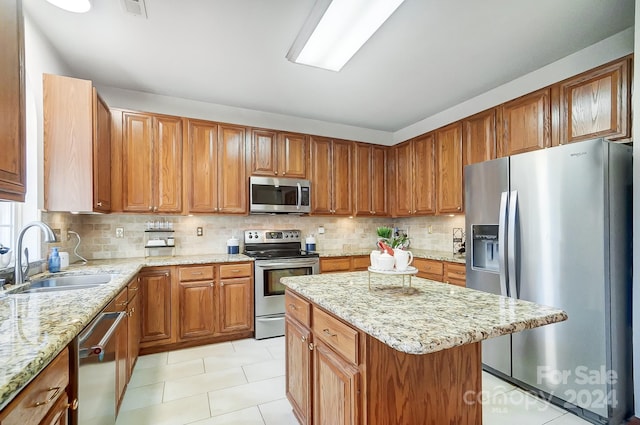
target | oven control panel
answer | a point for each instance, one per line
(272, 236)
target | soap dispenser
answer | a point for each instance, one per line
(54, 261)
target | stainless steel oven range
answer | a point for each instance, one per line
(277, 253)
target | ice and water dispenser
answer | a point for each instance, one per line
(484, 251)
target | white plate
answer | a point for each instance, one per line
(410, 270)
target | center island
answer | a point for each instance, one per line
(390, 354)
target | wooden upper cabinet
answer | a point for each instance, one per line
(201, 162)
(77, 146)
(232, 181)
(596, 104)
(215, 161)
(403, 178)
(525, 124)
(264, 153)
(449, 168)
(342, 177)
(370, 178)
(479, 137)
(101, 154)
(13, 183)
(321, 166)
(168, 166)
(276, 154)
(292, 155)
(424, 196)
(137, 162)
(152, 163)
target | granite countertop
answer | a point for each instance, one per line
(417, 253)
(34, 328)
(428, 317)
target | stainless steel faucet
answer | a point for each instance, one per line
(49, 236)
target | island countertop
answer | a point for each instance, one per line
(428, 317)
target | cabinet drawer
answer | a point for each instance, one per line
(36, 400)
(336, 264)
(361, 262)
(297, 308)
(428, 269)
(186, 274)
(339, 336)
(235, 270)
(455, 273)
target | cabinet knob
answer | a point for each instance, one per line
(304, 338)
(99, 203)
(311, 346)
(221, 283)
(212, 284)
(283, 173)
(150, 208)
(155, 209)
(459, 208)
(166, 274)
(409, 211)
(276, 173)
(73, 405)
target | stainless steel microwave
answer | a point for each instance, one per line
(279, 195)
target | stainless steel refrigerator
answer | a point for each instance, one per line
(554, 227)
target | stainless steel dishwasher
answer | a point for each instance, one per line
(96, 348)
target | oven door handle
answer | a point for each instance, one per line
(287, 265)
(270, 319)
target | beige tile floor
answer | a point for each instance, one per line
(242, 383)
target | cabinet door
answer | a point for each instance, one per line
(298, 367)
(168, 166)
(377, 173)
(454, 273)
(479, 137)
(596, 104)
(137, 158)
(264, 155)
(403, 205)
(59, 413)
(449, 166)
(236, 305)
(156, 317)
(526, 123)
(101, 154)
(201, 163)
(292, 155)
(197, 309)
(424, 183)
(232, 182)
(133, 332)
(321, 175)
(336, 385)
(364, 180)
(13, 183)
(342, 177)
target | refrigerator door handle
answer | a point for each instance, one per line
(502, 246)
(511, 244)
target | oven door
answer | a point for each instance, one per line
(269, 292)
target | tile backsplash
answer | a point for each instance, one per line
(98, 232)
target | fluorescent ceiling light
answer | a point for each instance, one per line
(76, 6)
(336, 29)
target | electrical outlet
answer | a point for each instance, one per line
(321, 230)
(119, 232)
(199, 231)
(430, 229)
(57, 233)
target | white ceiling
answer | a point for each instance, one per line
(430, 55)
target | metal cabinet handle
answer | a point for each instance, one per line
(73, 405)
(293, 307)
(327, 332)
(135, 288)
(56, 391)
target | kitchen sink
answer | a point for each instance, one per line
(67, 283)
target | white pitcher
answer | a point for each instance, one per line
(403, 259)
(386, 262)
(374, 259)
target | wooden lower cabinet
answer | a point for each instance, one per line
(298, 366)
(455, 273)
(157, 321)
(192, 305)
(429, 269)
(347, 263)
(236, 305)
(372, 383)
(45, 400)
(133, 324)
(336, 388)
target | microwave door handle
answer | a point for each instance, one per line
(299, 196)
